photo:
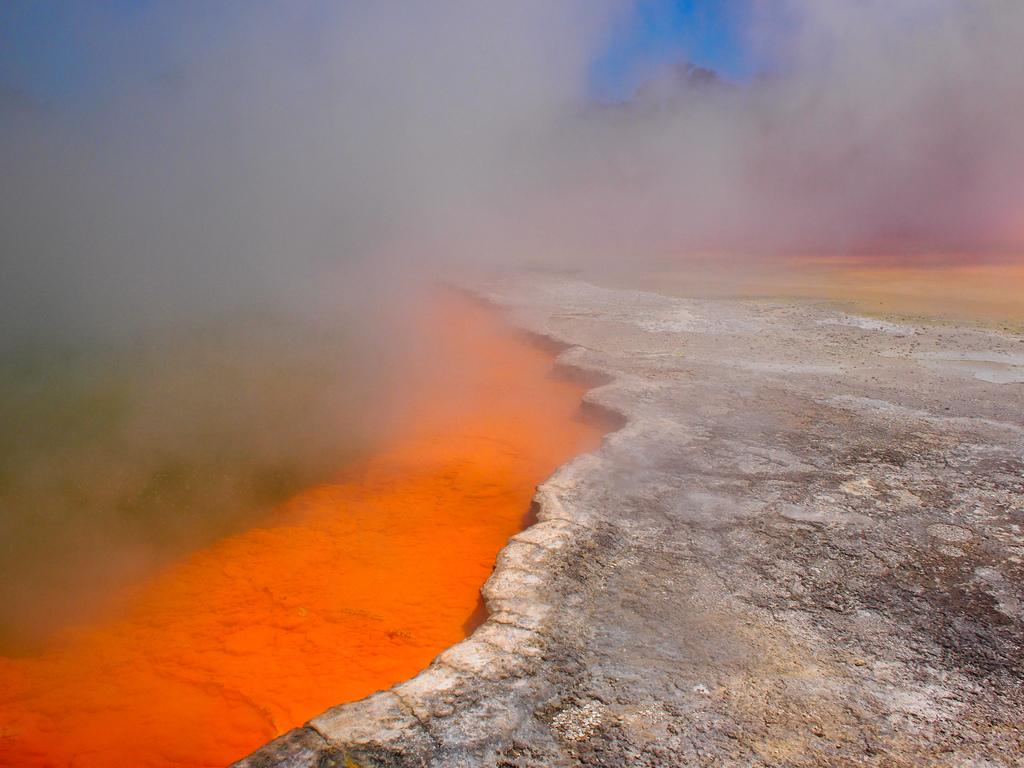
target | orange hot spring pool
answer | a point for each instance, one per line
(351, 587)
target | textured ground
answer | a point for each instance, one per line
(803, 547)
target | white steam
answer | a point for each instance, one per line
(343, 144)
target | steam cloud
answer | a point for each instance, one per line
(881, 125)
(230, 164)
(341, 145)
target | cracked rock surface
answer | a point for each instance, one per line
(803, 548)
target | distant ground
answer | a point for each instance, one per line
(803, 548)
(941, 288)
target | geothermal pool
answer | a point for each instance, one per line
(353, 586)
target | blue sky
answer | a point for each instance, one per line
(57, 52)
(63, 51)
(709, 33)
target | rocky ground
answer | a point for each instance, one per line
(803, 547)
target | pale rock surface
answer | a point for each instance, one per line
(803, 547)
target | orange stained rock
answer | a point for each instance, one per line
(353, 587)
(951, 287)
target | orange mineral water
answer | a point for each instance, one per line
(351, 587)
